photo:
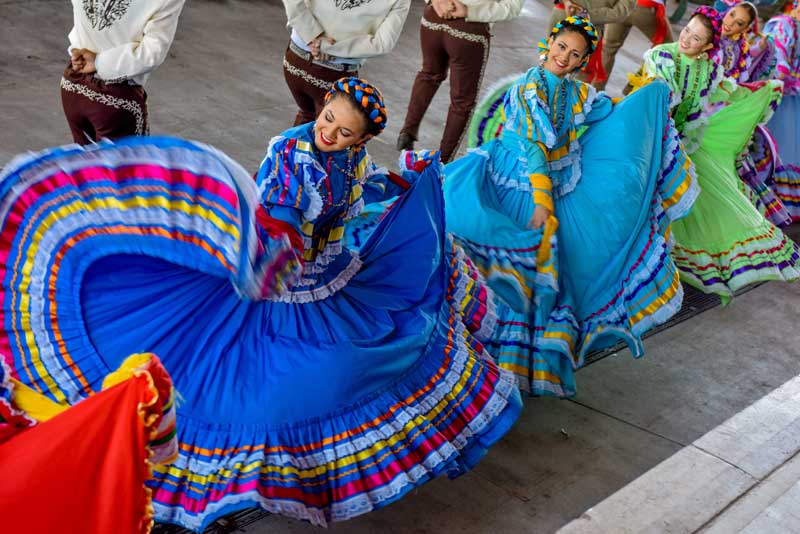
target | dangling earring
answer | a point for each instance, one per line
(543, 50)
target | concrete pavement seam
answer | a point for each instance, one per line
(744, 494)
(634, 425)
(754, 476)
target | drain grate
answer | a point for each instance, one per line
(225, 525)
(694, 303)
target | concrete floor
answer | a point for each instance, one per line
(223, 85)
(223, 81)
(563, 457)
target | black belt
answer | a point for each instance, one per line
(341, 67)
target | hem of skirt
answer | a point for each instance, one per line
(466, 460)
(780, 260)
(439, 416)
(726, 291)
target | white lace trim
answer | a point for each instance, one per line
(321, 292)
(9, 386)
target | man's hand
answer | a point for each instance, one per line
(459, 11)
(573, 9)
(76, 60)
(443, 8)
(315, 47)
(82, 61)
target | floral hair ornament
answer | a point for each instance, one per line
(715, 19)
(365, 95)
(579, 24)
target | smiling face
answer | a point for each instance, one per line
(736, 21)
(339, 126)
(566, 52)
(695, 38)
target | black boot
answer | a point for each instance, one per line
(405, 141)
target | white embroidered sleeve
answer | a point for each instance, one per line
(135, 58)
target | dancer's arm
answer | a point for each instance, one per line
(300, 18)
(492, 10)
(136, 58)
(781, 31)
(377, 43)
(383, 184)
(527, 126)
(288, 180)
(601, 107)
(761, 59)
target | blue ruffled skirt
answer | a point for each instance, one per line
(322, 410)
(605, 274)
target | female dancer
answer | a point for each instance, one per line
(740, 58)
(317, 382)
(785, 123)
(605, 274)
(747, 58)
(724, 243)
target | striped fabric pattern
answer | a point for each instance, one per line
(53, 213)
(410, 434)
(769, 255)
(787, 188)
(757, 169)
(651, 292)
(63, 209)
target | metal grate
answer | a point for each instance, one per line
(224, 525)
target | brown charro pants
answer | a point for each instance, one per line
(642, 18)
(98, 110)
(309, 81)
(463, 48)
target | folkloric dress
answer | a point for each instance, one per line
(785, 123)
(724, 243)
(97, 455)
(746, 63)
(600, 270)
(317, 381)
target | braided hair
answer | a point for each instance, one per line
(579, 25)
(712, 20)
(364, 97)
